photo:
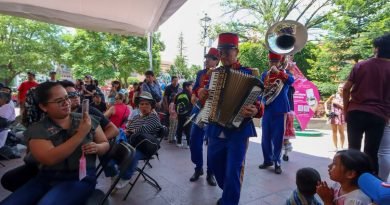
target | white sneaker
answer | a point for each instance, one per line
(179, 145)
(185, 147)
(122, 183)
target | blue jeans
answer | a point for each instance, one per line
(111, 170)
(52, 187)
(384, 155)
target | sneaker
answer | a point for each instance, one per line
(278, 169)
(122, 183)
(185, 147)
(112, 179)
(179, 145)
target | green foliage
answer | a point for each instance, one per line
(255, 55)
(254, 17)
(109, 56)
(132, 80)
(351, 29)
(27, 45)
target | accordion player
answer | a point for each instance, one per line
(229, 92)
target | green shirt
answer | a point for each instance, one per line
(48, 130)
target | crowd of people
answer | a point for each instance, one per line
(64, 140)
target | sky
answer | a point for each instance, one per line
(187, 20)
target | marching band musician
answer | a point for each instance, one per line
(227, 147)
(274, 113)
(197, 132)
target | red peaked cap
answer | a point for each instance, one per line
(213, 52)
(274, 57)
(227, 40)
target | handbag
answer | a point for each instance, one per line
(145, 143)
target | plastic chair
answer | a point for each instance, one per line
(123, 154)
(163, 132)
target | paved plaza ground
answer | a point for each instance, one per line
(260, 187)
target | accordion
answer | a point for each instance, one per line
(229, 91)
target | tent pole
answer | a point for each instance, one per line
(150, 43)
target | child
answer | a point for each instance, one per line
(183, 109)
(172, 119)
(345, 170)
(306, 180)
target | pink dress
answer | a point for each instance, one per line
(338, 119)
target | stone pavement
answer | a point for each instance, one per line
(260, 187)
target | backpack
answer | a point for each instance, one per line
(145, 143)
(32, 113)
(182, 104)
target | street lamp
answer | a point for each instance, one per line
(205, 25)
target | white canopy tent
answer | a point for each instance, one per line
(125, 17)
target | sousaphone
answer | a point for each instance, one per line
(284, 38)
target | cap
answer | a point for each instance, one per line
(30, 73)
(186, 84)
(53, 72)
(146, 96)
(213, 52)
(375, 189)
(274, 57)
(227, 40)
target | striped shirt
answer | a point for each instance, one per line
(146, 124)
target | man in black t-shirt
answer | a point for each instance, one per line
(98, 104)
(169, 90)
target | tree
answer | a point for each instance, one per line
(351, 28)
(254, 17)
(255, 55)
(27, 45)
(110, 56)
(180, 66)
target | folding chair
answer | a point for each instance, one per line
(123, 154)
(141, 171)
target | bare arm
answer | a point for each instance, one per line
(327, 102)
(109, 112)
(346, 95)
(193, 98)
(48, 154)
(99, 145)
(111, 131)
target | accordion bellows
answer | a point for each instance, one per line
(229, 91)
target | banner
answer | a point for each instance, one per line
(306, 97)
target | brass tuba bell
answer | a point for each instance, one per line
(286, 37)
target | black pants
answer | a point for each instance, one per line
(180, 128)
(359, 122)
(15, 178)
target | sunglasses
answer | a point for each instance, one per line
(73, 94)
(61, 102)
